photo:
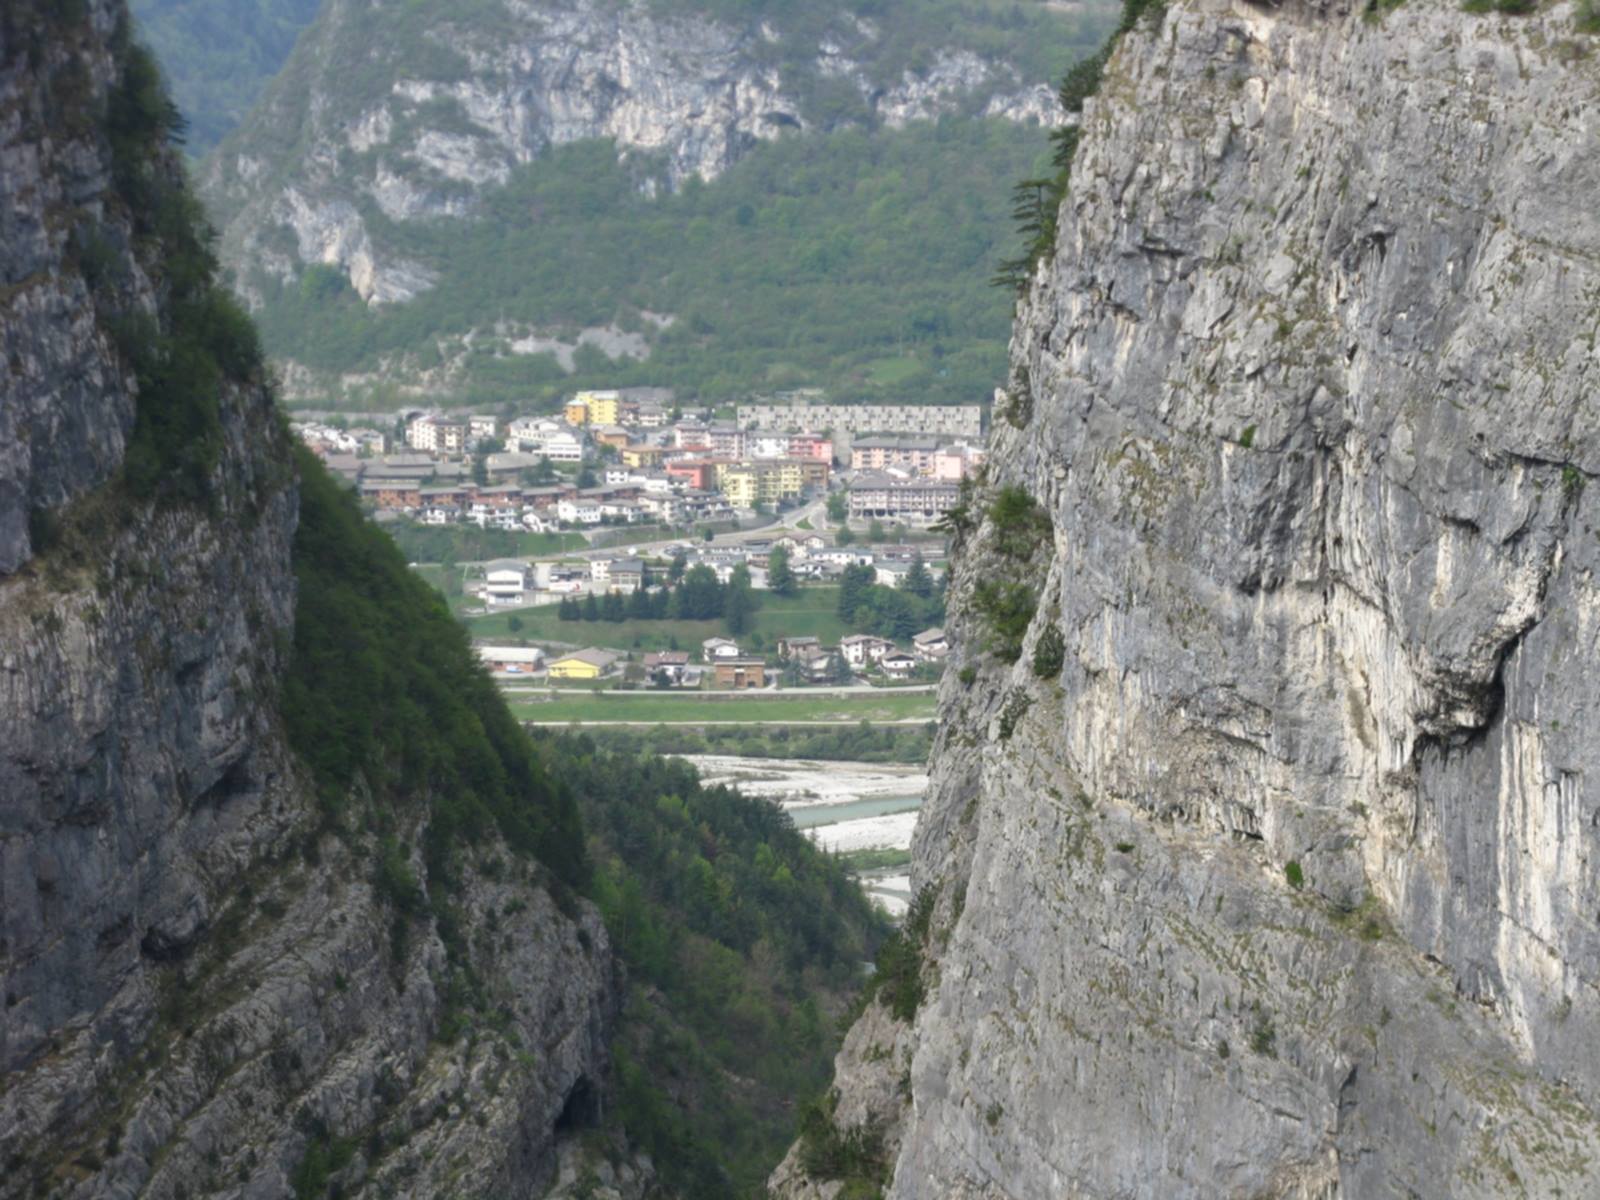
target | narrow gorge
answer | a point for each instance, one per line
(1263, 863)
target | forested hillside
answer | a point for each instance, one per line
(490, 202)
(853, 261)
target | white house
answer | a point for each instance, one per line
(930, 645)
(578, 512)
(621, 510)
(481, 426)
(768, 445)
(566, 580)
(563, 446)
(719, 649)
(662, 508)
(898, 663)
(862, 649)
(505, 582)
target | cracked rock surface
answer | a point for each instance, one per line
(1286, 886)
(200, 990)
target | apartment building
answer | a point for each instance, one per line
(948, 420)
(878, 495)
(913, 454)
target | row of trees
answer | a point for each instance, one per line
(695, 594)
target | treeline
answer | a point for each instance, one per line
(862, 743)
(890, 612)
(695, 594)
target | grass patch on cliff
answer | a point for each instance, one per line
(855, 1156)
(201, 342)
(1006, 606)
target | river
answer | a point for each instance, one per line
(840, 805)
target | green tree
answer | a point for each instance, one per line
(838, 506)
(781, 579)
(918, 582)
(591, 608)
(680, 563)
(739, 601)
(700, 596)
(612, 608)
(854, 587)
(876, 532)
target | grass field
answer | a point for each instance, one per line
(812, 612)
(694, 707)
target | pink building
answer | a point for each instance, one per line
(951, 464)
(811, 445)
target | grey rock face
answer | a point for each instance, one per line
(65, 406)
(472, 100)
(200, 991)
(1286, 885)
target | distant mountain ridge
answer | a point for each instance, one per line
(394, 118)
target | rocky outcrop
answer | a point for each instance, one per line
(66, 407)
(1284, 885)
(449, 106)
(204, 993)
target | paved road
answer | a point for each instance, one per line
(815, 511)
(784, 522)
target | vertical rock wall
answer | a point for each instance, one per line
(202, 996)
(1286, 885)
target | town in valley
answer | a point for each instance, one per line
(590, 547)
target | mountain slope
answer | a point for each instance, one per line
(350, 189)
(219, 55)
(290, 905)
(1260, 851)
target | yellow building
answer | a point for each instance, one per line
(601, 408)
(740, 486)
(582, 664)
(643, 456)
(747, 484)
(577, 412)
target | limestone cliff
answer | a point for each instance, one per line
(206, 991)
(1267, 868)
